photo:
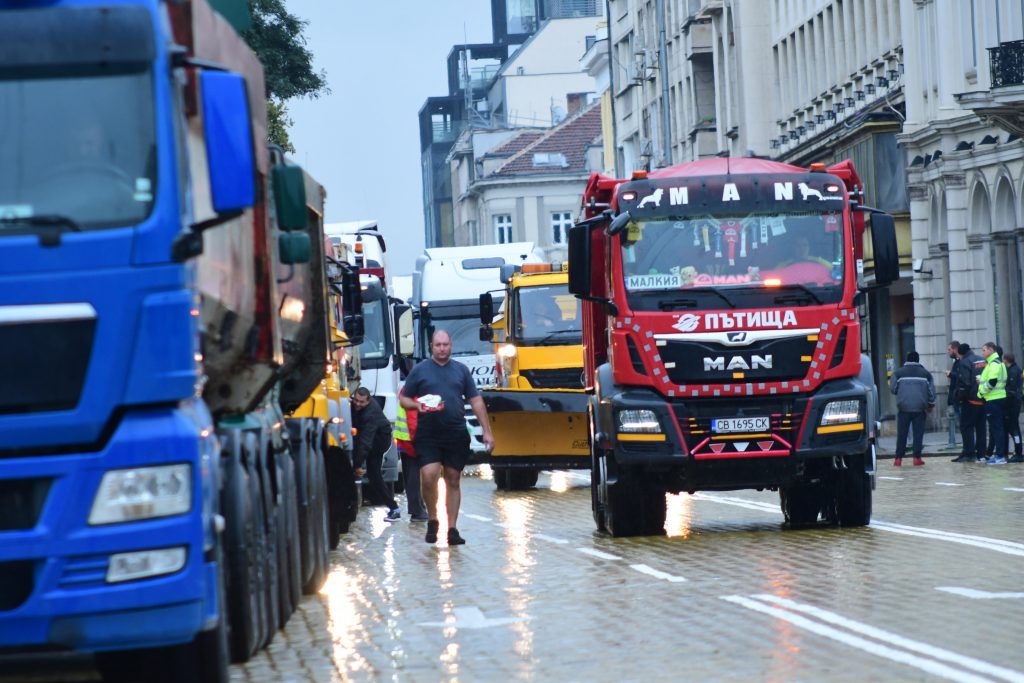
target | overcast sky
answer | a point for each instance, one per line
(382, 59)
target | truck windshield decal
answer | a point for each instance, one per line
(85, 149)
(770, 253)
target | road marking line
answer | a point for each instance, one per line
(976, 594)
(1010, 488)
(946, 483)
(479, 518)
(651, 571)
(998, 545)
(472, 618)
(897, 640)
(927, 665)
(891, 478)
(598, 553)
(549, 539)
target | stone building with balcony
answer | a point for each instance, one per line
(965, 119)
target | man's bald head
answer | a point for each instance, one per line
(440, 347)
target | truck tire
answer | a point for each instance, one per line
(596, 505)
(242, 547)
(514, 479)
(272, 552)
(631, 506)
(801, 504)
(853, 502)
(291, 583)
(342, 494)
(318, 523)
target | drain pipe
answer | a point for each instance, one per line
(666, 117)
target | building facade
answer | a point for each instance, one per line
(965, 119)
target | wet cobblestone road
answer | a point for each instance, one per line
(933, 590)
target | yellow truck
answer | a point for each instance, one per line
(538, 409)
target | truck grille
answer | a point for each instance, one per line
(44, 364)
(695, 424)
(560, 378)
(21, 502)
(709, 363)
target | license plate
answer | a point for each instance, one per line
(732, 425)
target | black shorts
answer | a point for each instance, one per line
(451, 451)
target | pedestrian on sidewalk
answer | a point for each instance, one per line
(915, 397)
(952, 407)
(972, 408)
(405, 432)
(437, 389)
(373, 439)
(1013, 396)
(992, 390)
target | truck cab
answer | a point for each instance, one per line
(722, 338)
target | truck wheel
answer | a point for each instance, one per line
(292, 580)
(272, 554)
(853, 504)
(801, 504)
(633, 507)
(514, 479)
(596, 502)
(318, 523)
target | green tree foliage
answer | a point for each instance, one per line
(276, 37)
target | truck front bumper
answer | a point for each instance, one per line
(540, 429)
(54, 588)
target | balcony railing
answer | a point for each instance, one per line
(1007, 64)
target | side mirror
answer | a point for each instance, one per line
(404, 331)
(486, 308)
(883, 243)
(486, 333)
(619, 223)
(579, 260)
(227, 132)
(355, 328)
(289, 185)
(294, 247)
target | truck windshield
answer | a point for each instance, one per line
(730, 261)
(548, 315)
(465, 334)
(375, 351)
(82, 148)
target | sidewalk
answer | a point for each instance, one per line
(935, 444)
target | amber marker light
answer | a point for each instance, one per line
(639, 175)
(773, 282)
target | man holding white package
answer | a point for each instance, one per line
(438, 389)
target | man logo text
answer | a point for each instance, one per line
(738, 363)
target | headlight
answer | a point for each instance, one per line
(639, 422)
(841, 412)
(145, 564)
(142, 493)
(507, 350)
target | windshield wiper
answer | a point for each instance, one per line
(57, 223)
(549, 337)
(691, 302)
(794, 298)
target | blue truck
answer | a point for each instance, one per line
(163, 306)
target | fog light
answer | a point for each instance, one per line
(144, 564)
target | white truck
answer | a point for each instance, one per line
(388, 322)
(446, 289)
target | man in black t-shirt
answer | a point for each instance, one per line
(438, 389)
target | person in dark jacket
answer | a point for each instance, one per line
(972, 408)
(373, 439)
(952, 407)
(1013, 397)
(915, 397)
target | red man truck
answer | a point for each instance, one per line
(722, 337)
